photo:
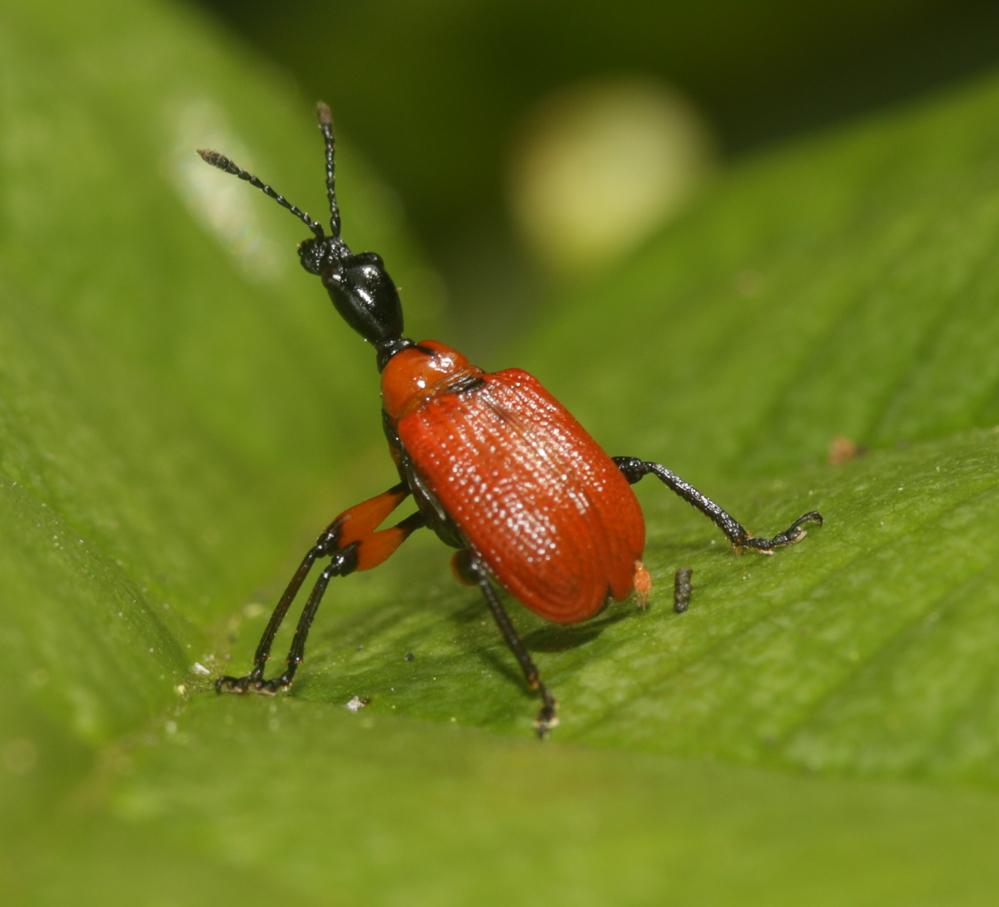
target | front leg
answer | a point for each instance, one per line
(351, 543)
(635, 469)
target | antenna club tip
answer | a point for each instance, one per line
(215, 159)
(323, 113)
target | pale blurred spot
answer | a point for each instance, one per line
(18, 756)
(748, 283)
(227, 206)
(599, 166)
(843, 449)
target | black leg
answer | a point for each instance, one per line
(351, 544)
(321, 548)
(343, 563)
(474, 570)
(635, 469)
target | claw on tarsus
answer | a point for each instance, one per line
(790, 536)
(249, 684)
(546, 720)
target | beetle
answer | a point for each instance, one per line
(495, 465)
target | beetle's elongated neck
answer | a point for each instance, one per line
(391, 348)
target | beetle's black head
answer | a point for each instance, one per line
(359, 286)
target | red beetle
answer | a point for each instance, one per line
(497, 467)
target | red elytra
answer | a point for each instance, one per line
(497, 467)
(548, 511)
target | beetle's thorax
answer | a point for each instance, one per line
(420, 372)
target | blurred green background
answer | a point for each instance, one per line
(726, 236)
(481, 78)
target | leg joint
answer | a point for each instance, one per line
(326, 543)
(467, 567)
(344, 561)
(632, 468)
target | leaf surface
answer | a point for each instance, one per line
(179, 415)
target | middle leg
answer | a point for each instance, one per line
(469, 568)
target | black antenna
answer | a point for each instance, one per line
(223, 163)
(326, 127)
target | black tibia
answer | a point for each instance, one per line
(634, 469)
(342, 563)
(475, 571)
(344, 560)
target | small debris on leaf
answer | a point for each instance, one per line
(842, 449)
(681, 589)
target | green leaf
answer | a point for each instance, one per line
(179, 414)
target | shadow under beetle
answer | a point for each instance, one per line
(497, 467)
